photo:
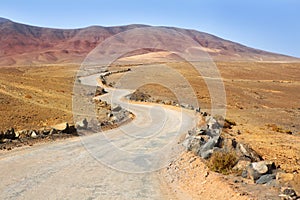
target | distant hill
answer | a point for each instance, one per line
(22, 44)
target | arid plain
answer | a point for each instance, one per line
(262, 95)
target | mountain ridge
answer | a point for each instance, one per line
(22, 44)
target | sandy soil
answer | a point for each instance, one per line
(35, 97)
(262, 98)
(189, 176)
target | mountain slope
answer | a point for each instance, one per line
(22, 44)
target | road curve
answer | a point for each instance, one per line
(117, 164)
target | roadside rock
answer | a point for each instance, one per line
(192, 143)
(247, 152)
(119, 115)
(10, 134)
(186, 106)
(257, 169)
(65, 128)
(265, 179)
(289, 194)
(140, 96)
(260, 167)
(53, 131)
(33, 135)
(100, 91)
(241, 165)
(69, 129)
(83, 124)
(117, 108)
(211, 141)
(61, 127)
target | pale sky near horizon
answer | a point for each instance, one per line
(271, 25)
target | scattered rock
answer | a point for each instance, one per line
(192, 143)
(117, 108)
(186, 106)
(45, 132)
(83, 124)
(33, 135)
(257, 169)
(289, 194)
(69, 129)
(61, 127)
(10, 134)
(100, 91)
(247, 152)
(241, 165)
(229, 144)
(65, 128)
(260, 167)
(265, 179)
(139, 96)
(53, 131)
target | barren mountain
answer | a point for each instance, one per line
(22, 44)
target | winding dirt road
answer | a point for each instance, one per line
(117, 164)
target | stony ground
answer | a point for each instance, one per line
(264, 105)
(190, 174)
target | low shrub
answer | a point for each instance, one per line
(222, 162)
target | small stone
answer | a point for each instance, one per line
(17, 134)
(289, 194)
(192, 160)
(33, 135)
(245, 174)
(206, 174)
(53, 131)
(83, 124)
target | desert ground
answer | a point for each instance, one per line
(262, 98)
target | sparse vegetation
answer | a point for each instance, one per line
(230, 122)
(278, 129)
(222, 162)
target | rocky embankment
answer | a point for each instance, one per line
(108, 116)
(223, 154)
(10, 139)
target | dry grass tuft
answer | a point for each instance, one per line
(222, 162)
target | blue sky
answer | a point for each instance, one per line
(272, 25)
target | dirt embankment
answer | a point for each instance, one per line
(35, 99)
